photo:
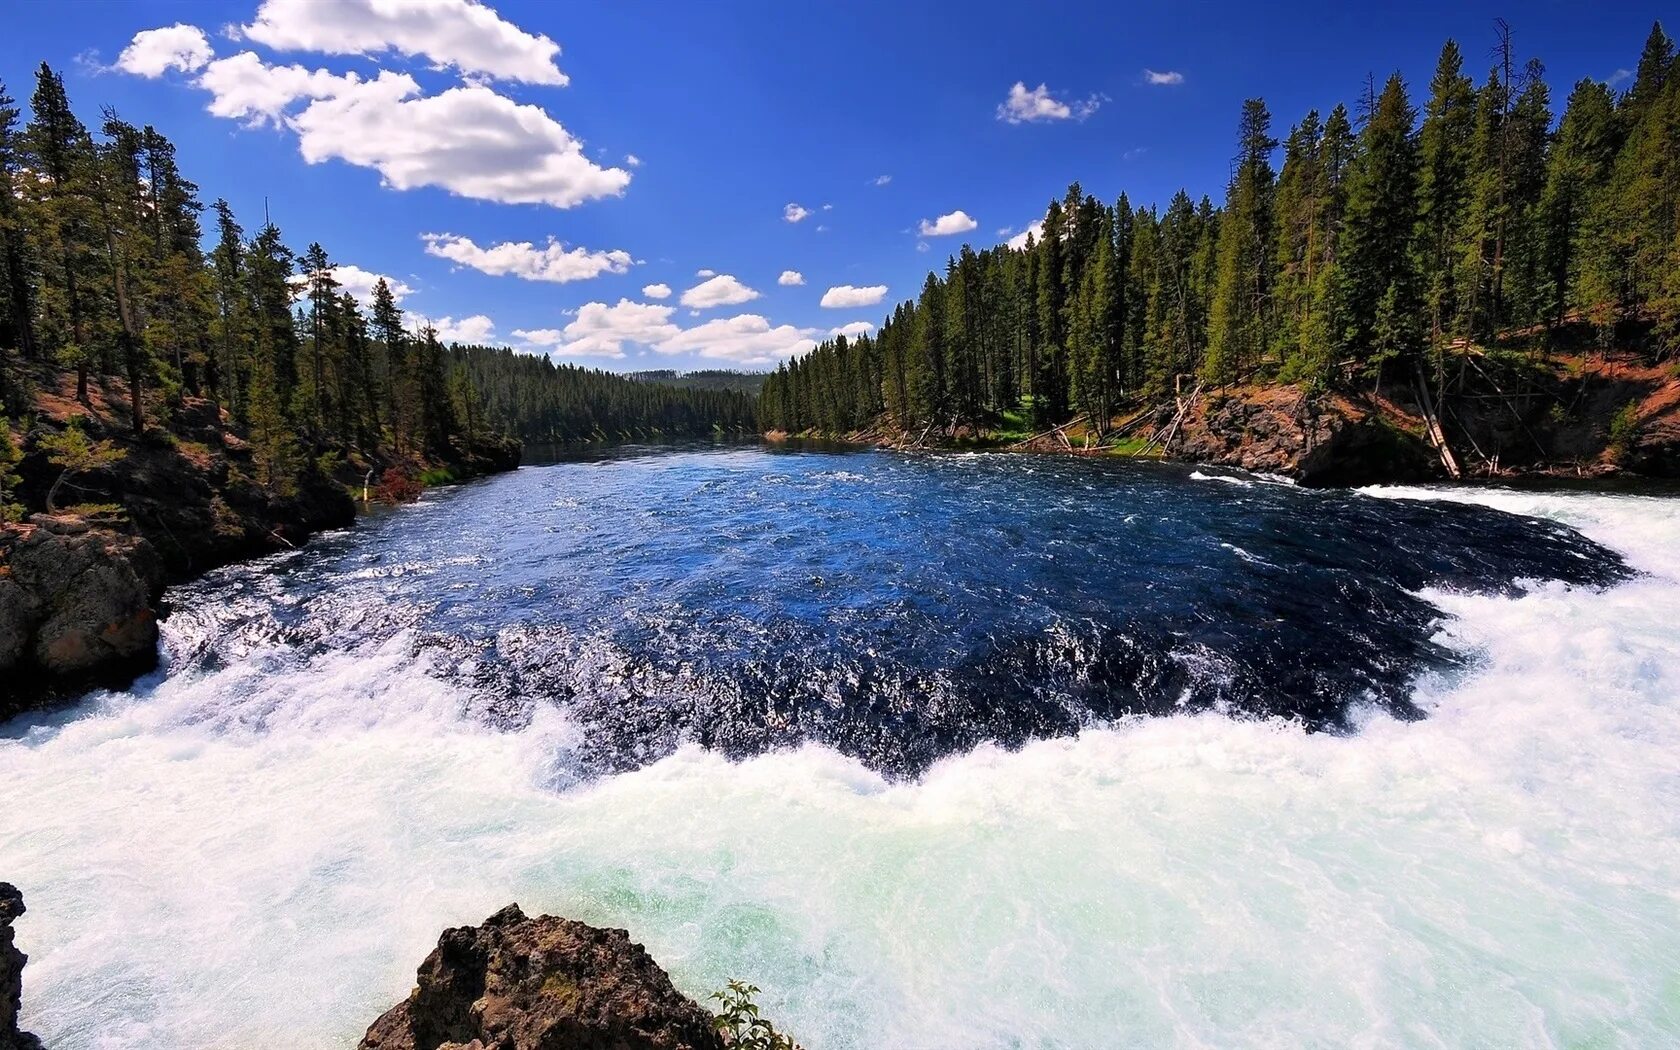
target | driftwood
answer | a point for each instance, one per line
(1165, 435)
(1432, 426)
(1059, 430)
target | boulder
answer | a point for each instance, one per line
(11, 974)
(547, 983)
(76, 606)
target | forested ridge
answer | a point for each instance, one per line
(110, 277)
(1395, 240)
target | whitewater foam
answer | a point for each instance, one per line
(245, 857)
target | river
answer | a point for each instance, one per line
(940, 751)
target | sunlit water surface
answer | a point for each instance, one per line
(940, 751)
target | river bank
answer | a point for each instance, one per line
(97, 540)
(1565, 417)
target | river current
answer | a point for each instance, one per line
(940, 751)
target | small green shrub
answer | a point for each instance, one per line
(740, 1024)
(1624, 428)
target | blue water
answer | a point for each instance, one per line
(898, 609)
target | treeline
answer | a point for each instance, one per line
(536, 400)
(1382, 243)
(105, 270)
(705, 379)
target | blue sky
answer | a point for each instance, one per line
(496, 128)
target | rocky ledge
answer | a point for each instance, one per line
(11, 974)
(1329, 440)
(517, 983)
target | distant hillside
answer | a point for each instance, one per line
(706, 379)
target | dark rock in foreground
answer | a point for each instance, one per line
(546, 983)
(11, 974)
(76, 606)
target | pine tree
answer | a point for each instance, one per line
(1445, 149)
(1238, 326)
(1378, 291)
(17, 299)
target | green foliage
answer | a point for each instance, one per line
(10, 456)
(739, 1022)
(1624, 430)
(75, 454)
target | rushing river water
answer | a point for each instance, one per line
(944, 751)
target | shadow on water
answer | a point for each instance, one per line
(897, 608)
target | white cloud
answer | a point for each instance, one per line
(243, 87)
(460, 33)
(923, 246)
(359, 283)
(854, 329)
(828, 207)
(795, 212)
(539, 337)
(846, 296)
(722, 290)
(882, 180)
(1167, 79)
(553, 262)
(705, 273)
(1610, 81)
(946, 225)
(632, 160)
(746, 339)
(467, 140)
(154, 52)
(600, 330)
(475, 329)
(657, 291)
(790, 278)
(1035, 230)
(1023, 105)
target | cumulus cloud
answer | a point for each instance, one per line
(462, 34)
(632, 160)
(539, 337)
(657, 291)
(722, 290)
(946, 225)
(475, 329)
(1166, 79)
(705, 273)
(882, 180)
(359, 283)
(846, 296)
(600, 330)
(795, 213)
(1035, 230)
(746, 339)
(467, 140)
(553, 262)
(790, 278)
(1022, 106)
(854, 329)
(154, 52)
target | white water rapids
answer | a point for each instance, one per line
(252, 859)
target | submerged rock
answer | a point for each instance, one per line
(11, 974)
(518, 983)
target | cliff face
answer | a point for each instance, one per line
(11, 974)
(1330, 440)
(517, 983)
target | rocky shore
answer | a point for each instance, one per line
(80, 591)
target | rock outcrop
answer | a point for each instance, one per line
(11, 974)
(1317, 441)
(547, 983)
(76, 607)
